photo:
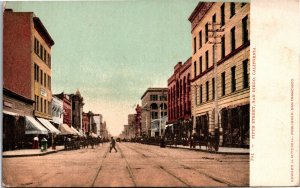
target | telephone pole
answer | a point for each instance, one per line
(215, 29)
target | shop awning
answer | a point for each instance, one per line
(94, 135)
(10, 113)
(49, 126)
(66, 130)
(78, 133)
(34, 127)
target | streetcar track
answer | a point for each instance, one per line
(176, 177)
(127, 166)
(191, 168)
(100, 167)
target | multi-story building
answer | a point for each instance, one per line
(26, 70)
(57, 111)
(77, 109)
(67, 108)
(154, 106)
(179, 101)
(132, 125)
(221, 89)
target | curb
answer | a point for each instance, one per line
(32, 155)
(212, 152)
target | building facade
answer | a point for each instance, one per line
(57, 111)
(26, 76)
(132, 125)
(179, 101)
(67, 108)
(222, 89)
(77, 109)
(154, 106)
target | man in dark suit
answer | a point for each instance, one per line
(112, 144)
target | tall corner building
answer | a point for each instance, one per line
(224, 88)
(27, 59)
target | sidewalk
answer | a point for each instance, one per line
(30, 152)
(222, 150)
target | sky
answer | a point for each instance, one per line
(112, 51)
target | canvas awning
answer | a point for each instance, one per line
(34, 127)
(10, 113)
(66, 130)
(49, 126)
(94, 135)
(78, 133)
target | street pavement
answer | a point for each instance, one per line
(133, 165)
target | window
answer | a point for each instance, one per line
(206, 32)
(245, 74)
(223, 14)
(154, 115)
(36, 72)
(200, 64)
(243, 4)
(214, 18)
(45, 79)
(207, 91)
(223, 47)
(195, 69)
(153, 97)
(233, 81)
(41, 51)
(206, 56)
(37, 103)
(41, 104)
(163, 98)
(213, 88)
(201, 94)
(44, 57)
(195, 45)
(35, 45)
(49, 60)
(45, 106)
(196, 97)
(245, 29)
(232, 38)
(41, 77)
(232, 9)
(200, 39)
(223, 83)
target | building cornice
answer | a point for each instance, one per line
(154, 90)
(199, 12)
(17, 96)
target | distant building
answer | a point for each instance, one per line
(57, 111)
(154, 106)
(179, 101)
(131, 125)
(232, 76)
(85, 123)
(67, 108)
(77, 109)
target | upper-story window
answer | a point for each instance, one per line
(153, 97)
(214, 18)
(206, 32)
(200, 39)
(245, 74)
(223, 83)
(207, 59)
(245, 29)
(233, 81)
(207, 90)
(223, 14)
(232, 9)
(223, 46)
(36, 72)
(163, 98)
(200, 64)
(232, 31)
(195, 45)
(195, 69)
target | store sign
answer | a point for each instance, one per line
(43, 92)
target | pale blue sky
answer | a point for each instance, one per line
(112, 51)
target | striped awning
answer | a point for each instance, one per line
(48, 125)
(34, 127)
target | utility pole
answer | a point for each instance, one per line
(214, 36)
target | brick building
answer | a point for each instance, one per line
(26, 76)
(67, 108)
(154, 107)
(77, 109)
(230, 85)
(179, 100)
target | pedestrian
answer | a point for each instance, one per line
(113, 144)
(35, 142)
(192, 142)
(216, 139)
